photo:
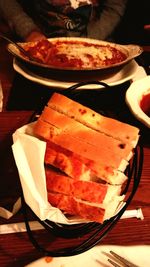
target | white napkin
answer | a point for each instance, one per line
(97, 257)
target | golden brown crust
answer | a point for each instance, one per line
(106, 144)
(94, 120)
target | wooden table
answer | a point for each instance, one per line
(21, 98)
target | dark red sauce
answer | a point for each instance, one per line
(145, 104)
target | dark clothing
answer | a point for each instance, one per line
(92, 18)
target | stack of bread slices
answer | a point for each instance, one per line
(85, 159)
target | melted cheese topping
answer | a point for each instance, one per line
(75, 54)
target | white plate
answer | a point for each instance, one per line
(126, 73)
(97, 257)
(134, 94)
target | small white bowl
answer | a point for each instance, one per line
(134, 95)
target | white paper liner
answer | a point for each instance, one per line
(29, 156)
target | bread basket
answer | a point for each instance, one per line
(91, 232)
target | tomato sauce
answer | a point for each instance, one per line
(145, 104)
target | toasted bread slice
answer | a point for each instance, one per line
(116, 129)
(84, 209)
(108, 151)
(108, 145)
(80, 167)
(86, 190)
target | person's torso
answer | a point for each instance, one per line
(64, 18)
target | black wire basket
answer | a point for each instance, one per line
(92, 232)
